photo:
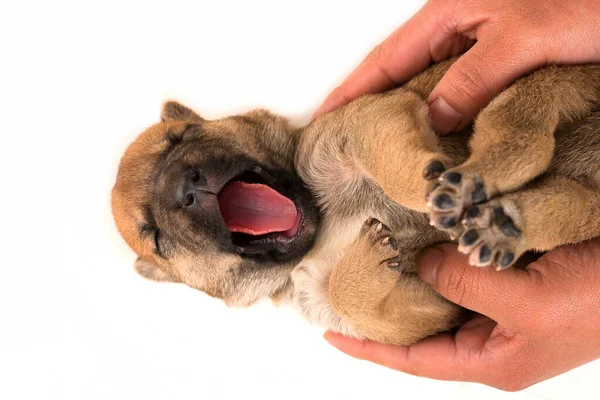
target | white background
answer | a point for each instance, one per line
(77, 83)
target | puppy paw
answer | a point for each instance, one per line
(381, 245)
(491, 237)
(436, 167)
(449, 197)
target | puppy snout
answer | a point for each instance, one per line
(192, 188)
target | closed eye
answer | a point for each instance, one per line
(157, 243)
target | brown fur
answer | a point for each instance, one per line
(367, 160)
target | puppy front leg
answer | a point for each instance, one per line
(369, 289)
(383, 138)
(399, 149)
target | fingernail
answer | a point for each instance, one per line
(329, 336)
(444, 118)
(334, 339)
(429, 262)
(334, 100)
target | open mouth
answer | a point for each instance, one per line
(258, 214)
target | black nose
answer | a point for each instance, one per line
(192, 187)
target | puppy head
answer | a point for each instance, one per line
(216, 205)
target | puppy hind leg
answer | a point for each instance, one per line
(368, 271)
(513, 140)
(376, 289)
(546, 214)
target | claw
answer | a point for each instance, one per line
(397, 265)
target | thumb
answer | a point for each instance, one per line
(474, 80)
(484, 290)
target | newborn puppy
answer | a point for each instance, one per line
(332, 216)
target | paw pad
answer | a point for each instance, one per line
(478, 194)
(443, 201)
(491, 236)
(447, 222)
(469, 238)
(433, 170)
(485, 254)
(451, 178)
(450, 197)
(505, 223)
(506, 259)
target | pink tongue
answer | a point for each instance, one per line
(256, 209)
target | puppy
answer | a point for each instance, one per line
(332, 216)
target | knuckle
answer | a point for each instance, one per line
(470, 82)
(376, 53)
(380, 57)
(514, 374)
(460, 285)
(342, 95)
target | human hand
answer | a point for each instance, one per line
(505, 40)
(535, 324)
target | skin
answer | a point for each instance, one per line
(503, 41)
(535, 323)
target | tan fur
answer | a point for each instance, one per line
(209, 271)
(366, 160)
(512, 144)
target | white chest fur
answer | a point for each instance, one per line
(311, 276)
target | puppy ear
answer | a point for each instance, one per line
(152, 272)
(172, 110)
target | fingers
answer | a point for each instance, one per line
(414, 360)
(440, 30)
(438, 357)
(403, 54)
(475, 79)
(498, 295)
(567, 269)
